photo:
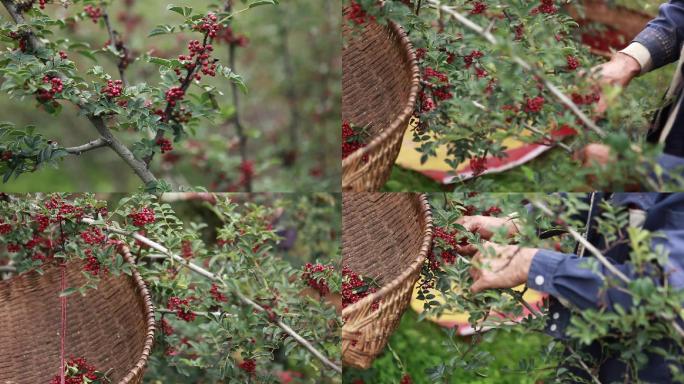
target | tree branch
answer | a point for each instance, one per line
(602, 259)
(78, 150)
(211, 276)
(18, 18)
(138, 166)
(113, 39)
(242, 144)
(487, 35)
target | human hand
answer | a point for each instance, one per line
(620, 70)
(500, 266)
(594, 154)
(485, 226)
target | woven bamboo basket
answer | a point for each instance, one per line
(628, 22)
(112, 326)
(380, 81)
(386, 236)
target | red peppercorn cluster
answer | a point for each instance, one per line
(354, 288)
(573, 62)
(356, 14)
(28, 4)
(228, 36)
(406, 379)
(164, 145)
(13, 248)
(478, 165)
(246, 169)
(93, 235)
(352, 139)
(113, 89)
(217, 295)
(478, 8)
(63, 55)
(166, 327)
(7, 155)
(315, 277)
(208, 25)
(174, 94)
(142, 217)
(93, 265)
(534, 104)
(22, 39)
(56, 86)
(182, 307)
(93, 12)
(80, 372)
(198, 54)
(587, 99)
(430, 73)
(546, 7)
(248, 365)
(5, 228)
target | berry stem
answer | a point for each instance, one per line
(113, 38)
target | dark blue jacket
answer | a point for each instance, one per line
(663, 37)
(567, 278)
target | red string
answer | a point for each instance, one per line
(62, 334)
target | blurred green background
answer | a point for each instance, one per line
(305, 32)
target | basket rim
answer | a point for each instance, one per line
(137, 370)
(408, 106)
(415, 265)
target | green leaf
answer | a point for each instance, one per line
(184, 11)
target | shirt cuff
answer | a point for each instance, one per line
(640, 53)
(543, 268)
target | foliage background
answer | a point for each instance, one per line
(315, 52)
(545, 171)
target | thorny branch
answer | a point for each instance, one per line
(113, 40)
(117, 146)
(95, 144)
(487, 35)
(211, 276)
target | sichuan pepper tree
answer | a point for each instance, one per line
(496, 69)
(228, 327)
(546, 222)
(37, 68)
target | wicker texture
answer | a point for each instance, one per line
(386, 236)
(380, 81)
(112, 327)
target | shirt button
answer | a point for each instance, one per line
(553, 327)
(539, 280)
(556, 316)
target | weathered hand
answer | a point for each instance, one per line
(485, 226)
(594, 154)
(620, 70)
(500, 266)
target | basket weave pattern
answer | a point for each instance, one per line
(380, 81)
(386, 236)
(112, 326)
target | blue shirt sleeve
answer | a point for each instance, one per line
(570, 278)
(663, 36)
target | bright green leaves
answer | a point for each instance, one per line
(22, 150)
